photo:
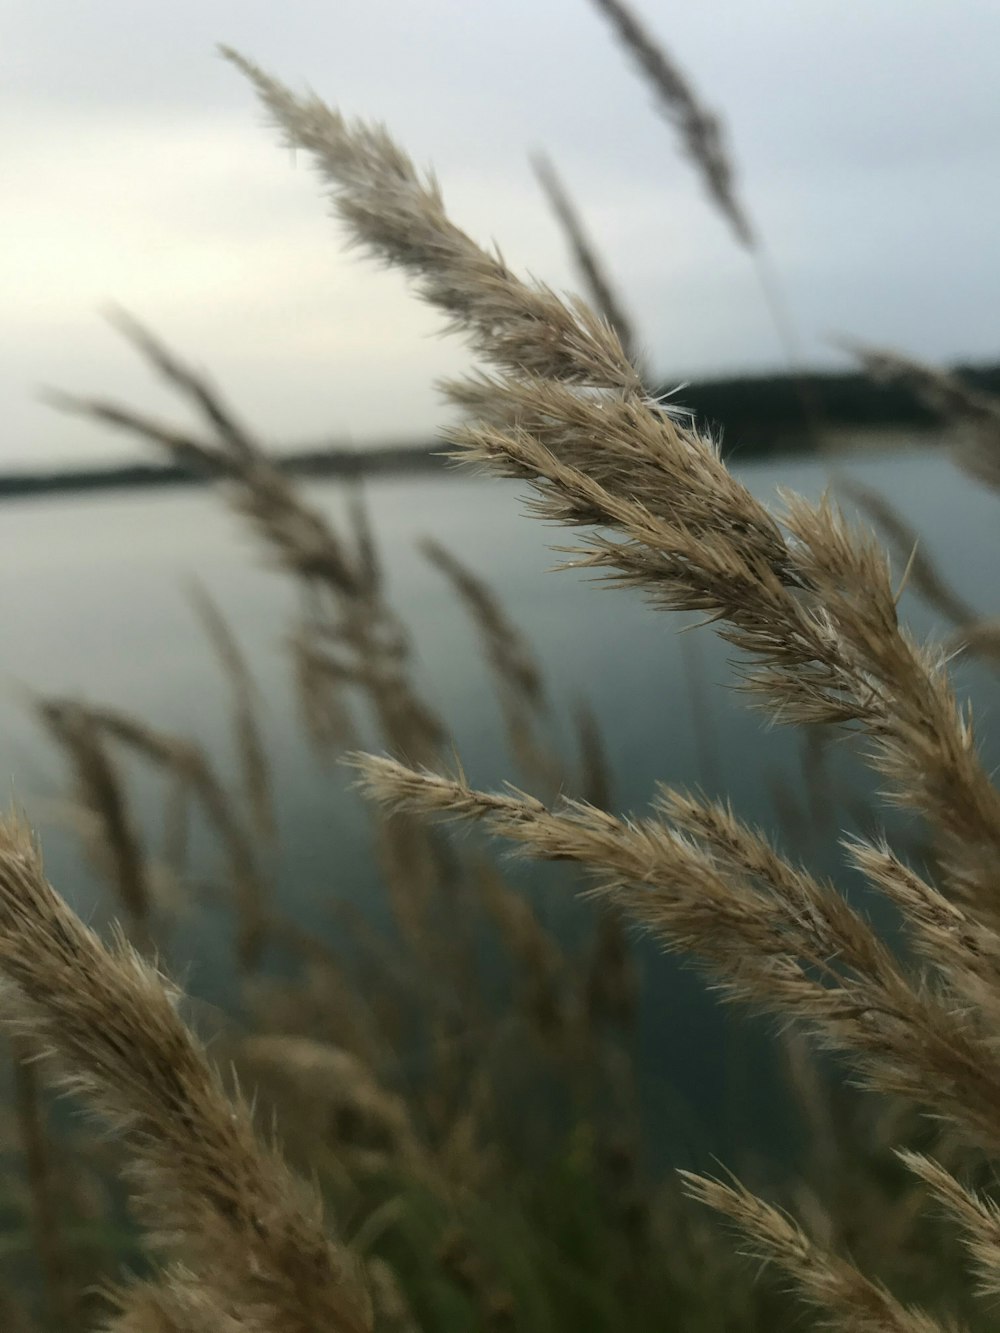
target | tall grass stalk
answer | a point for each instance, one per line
(808, 601)
(386, 1063)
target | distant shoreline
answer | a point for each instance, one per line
(754, 416)
(391, 461)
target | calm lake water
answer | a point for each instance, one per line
(93, 603)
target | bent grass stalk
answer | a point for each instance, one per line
(809, 602)
(214, 1198)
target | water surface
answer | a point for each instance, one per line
(93, 603)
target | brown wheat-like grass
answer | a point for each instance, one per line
(976, 414)
(700, 130)
(601, 290)
(214, 1197)
(809, 602)
(239, 1241)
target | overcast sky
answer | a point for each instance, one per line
(138, 170)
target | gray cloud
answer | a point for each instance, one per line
(138, 169)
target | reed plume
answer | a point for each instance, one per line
(700, 130)
(186, 762)
(771, 934)
(703, 141)
(599, 286)
(212, 1195)
(516, 674)
(243, 690)
(809, 601)
(977, 1217)
(179, 1303)
(803, 593)
(976, 414)
(919, 570)
(398, 217)
(101, 791)
(848, 1300)
(350, 635)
